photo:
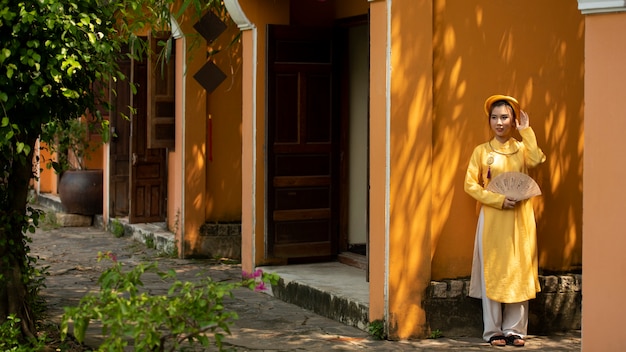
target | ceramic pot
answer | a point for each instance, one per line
(81, 191)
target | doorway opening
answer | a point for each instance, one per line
(317, 138)
(137, 173)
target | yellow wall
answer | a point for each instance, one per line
(605, 170)
(518, 48)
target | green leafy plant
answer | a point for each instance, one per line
(49, 221)
(171, 251)
(11, 337)
(150, 242)
(377, 329)
(35, 278)
(117, 228)
(57, 60)
(72, 144)
(435, 334)
(189, 312)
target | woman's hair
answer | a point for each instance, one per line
(501, 103)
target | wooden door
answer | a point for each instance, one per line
(148, 167)
(119, 172)
(302, 135)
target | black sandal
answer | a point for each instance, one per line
(510, 340)
(494, 341)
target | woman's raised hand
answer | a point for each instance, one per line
(523, 120)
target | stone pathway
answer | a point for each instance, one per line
(265, 323)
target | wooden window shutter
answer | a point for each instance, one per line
(161, 98)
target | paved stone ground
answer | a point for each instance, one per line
(265, 323)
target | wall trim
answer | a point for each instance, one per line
(601, 6)
(236, 13)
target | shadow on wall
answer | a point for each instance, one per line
(479, 55)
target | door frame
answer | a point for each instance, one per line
(343, 26)
(326, 249)
(341, 61)
(131, 140)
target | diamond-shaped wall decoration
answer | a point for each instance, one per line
(210, 26)
(210, 76)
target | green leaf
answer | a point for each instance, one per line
(80, 327)
(4, 54)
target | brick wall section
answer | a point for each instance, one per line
(556, 308)
(221, 240)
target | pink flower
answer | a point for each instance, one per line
(107, 255)
(256, 274)
(260, 287)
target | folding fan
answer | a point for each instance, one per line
(515, 185)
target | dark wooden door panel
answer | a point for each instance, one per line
(148, 174)
(119, 151)
(161, 92)
(289, 198)
(302, 162)
(138, 175)
(151, 204)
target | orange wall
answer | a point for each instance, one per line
(345, 9)
(48, 179)
(429, 214)
(174, 156)
(194, 149)
(410, 156)
(253, 197)
(518, 48)
(378, 162)
(605, 171)
(411, 138)
(224, 133)
(446, 57)
(248, 211)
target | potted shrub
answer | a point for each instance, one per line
(80, 189)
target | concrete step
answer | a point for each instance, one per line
(50, 201)
(153, 235)
(334, 290)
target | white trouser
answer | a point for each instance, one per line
(499, 318)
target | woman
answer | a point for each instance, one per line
(504, 269)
